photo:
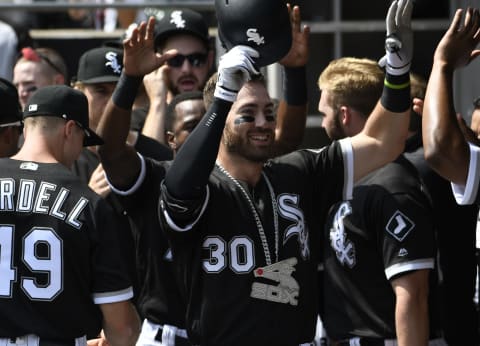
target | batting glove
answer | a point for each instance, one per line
(235, 68)
(399, 40)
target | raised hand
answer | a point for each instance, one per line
(140, 57)
(299, 52)
(457, 47)
(235, 69)
(399, 40)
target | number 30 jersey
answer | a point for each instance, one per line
(58, 253)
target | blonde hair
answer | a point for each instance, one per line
(46, 124)
(353, 82)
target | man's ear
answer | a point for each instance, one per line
(170, 139)
(345, 115)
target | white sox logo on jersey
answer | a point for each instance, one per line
(288, 209)
(286, 291)
(399, 226)
(112, 61)
(344, 248)
(176, 18)
(254, 36)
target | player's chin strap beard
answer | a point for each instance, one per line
(261, 230)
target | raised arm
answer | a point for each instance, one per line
(446, 149)
(383, 136)
(120, 161)
(188, 175)
(292, 110)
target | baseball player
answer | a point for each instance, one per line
(242, 225)
(379, 246)
(446, 148)
(63, 277)
(137, 179)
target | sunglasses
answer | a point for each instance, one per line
(28, 53)
(195, 59)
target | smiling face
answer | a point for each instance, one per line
(250, 128)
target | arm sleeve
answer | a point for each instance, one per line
(188, 176)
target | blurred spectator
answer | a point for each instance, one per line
(37, 68)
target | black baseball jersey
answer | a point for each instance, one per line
(59, 253)
(159, 298)
(386, 230)
(83, 167)
(245, 285)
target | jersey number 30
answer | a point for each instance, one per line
(50, 265)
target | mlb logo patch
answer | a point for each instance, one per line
(399, 226)
(33, 108)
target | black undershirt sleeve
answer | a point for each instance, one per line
(188, 175)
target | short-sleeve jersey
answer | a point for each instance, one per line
(159, 298)
(386, 230)
(251, 284)
(469, 194)
(59, 253)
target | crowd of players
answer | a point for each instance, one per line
(156, 202)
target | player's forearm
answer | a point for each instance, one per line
(411, 322)
(411, 310)
(292, 111)
(154, 126)
(119, 160)
(446, 149)
(189, 173)
(121, 324)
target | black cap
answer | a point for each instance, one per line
(64, 102)
(263, 25)
(100, 65)
(180, 21)
(10, 110)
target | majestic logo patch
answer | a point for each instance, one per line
(176, 18)
(403, 252)
(399, 226)
(112, 61)
(254, 36)
(287, 290)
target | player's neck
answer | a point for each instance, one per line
(36, 152)
(241, 168)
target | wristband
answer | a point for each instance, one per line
(126, 91)
(396, 93)
(295, 86)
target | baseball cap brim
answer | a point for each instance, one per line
(103, 79)
(164, 35)
(91, 138)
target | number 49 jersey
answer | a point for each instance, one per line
(58, 253)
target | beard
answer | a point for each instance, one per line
(241, 146)
(335, 131)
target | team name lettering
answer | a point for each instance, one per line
(28, 198)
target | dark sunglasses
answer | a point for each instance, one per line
(28, 53)
(195, 59)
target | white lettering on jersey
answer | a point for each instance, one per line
(288, 209)
(43, 196)
(30, 199)
(287, 290)
(26, 193)
(72, 218)
(344, 248)
(7, 189)
(254, 36)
